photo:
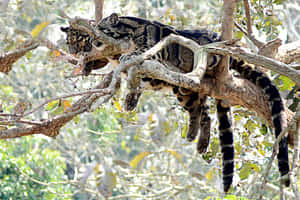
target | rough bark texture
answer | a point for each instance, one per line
(289, 53)
(227, 26)
(98, 9)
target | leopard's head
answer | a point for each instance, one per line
(77, 40)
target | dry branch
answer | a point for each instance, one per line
(259, 60)
(8, 58)
(98, 9)
(51, 127)
(294, 121)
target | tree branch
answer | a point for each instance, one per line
(51, 127)
(259, 60)
(98, 9)
(227, 27)
(8, 58)
(289, 53)
(248, 16)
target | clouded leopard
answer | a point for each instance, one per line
(145, 34)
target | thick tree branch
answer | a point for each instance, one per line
(289, 53)
(227, 27)
(259, 60)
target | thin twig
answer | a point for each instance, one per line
(100, 91)
(255, 41)
(50, 183)
(23, 122)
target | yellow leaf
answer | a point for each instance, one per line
(184, 131)
(137, 159)
(168, 11)
(123, 144)
(56, 53)
(150, 117)
(97, 169)
(175, 154)
(172, 17)
(209, 175)
(52, 105)
(136, 137)
(118, 106)
(38, 28)
(66, 104)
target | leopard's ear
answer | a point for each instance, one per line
(65, 29)
(113, 19)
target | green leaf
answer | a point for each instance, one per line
(57, 111)
(245, 171)
(231, 197)
(287, 83)
(52, 105)
(255, 167)
(76, 119)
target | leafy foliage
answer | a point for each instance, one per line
(24, 165)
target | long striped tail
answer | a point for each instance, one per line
(226, 142)
(276, 105)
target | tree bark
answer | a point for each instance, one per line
(98, 10)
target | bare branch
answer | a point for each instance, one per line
(8, 58)
(255, 41)
(52, 126)
(259, 60)
(98, 9)
(295, 162)
(227, 27)
(248, 16)
(98, 91)
(50, 45)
